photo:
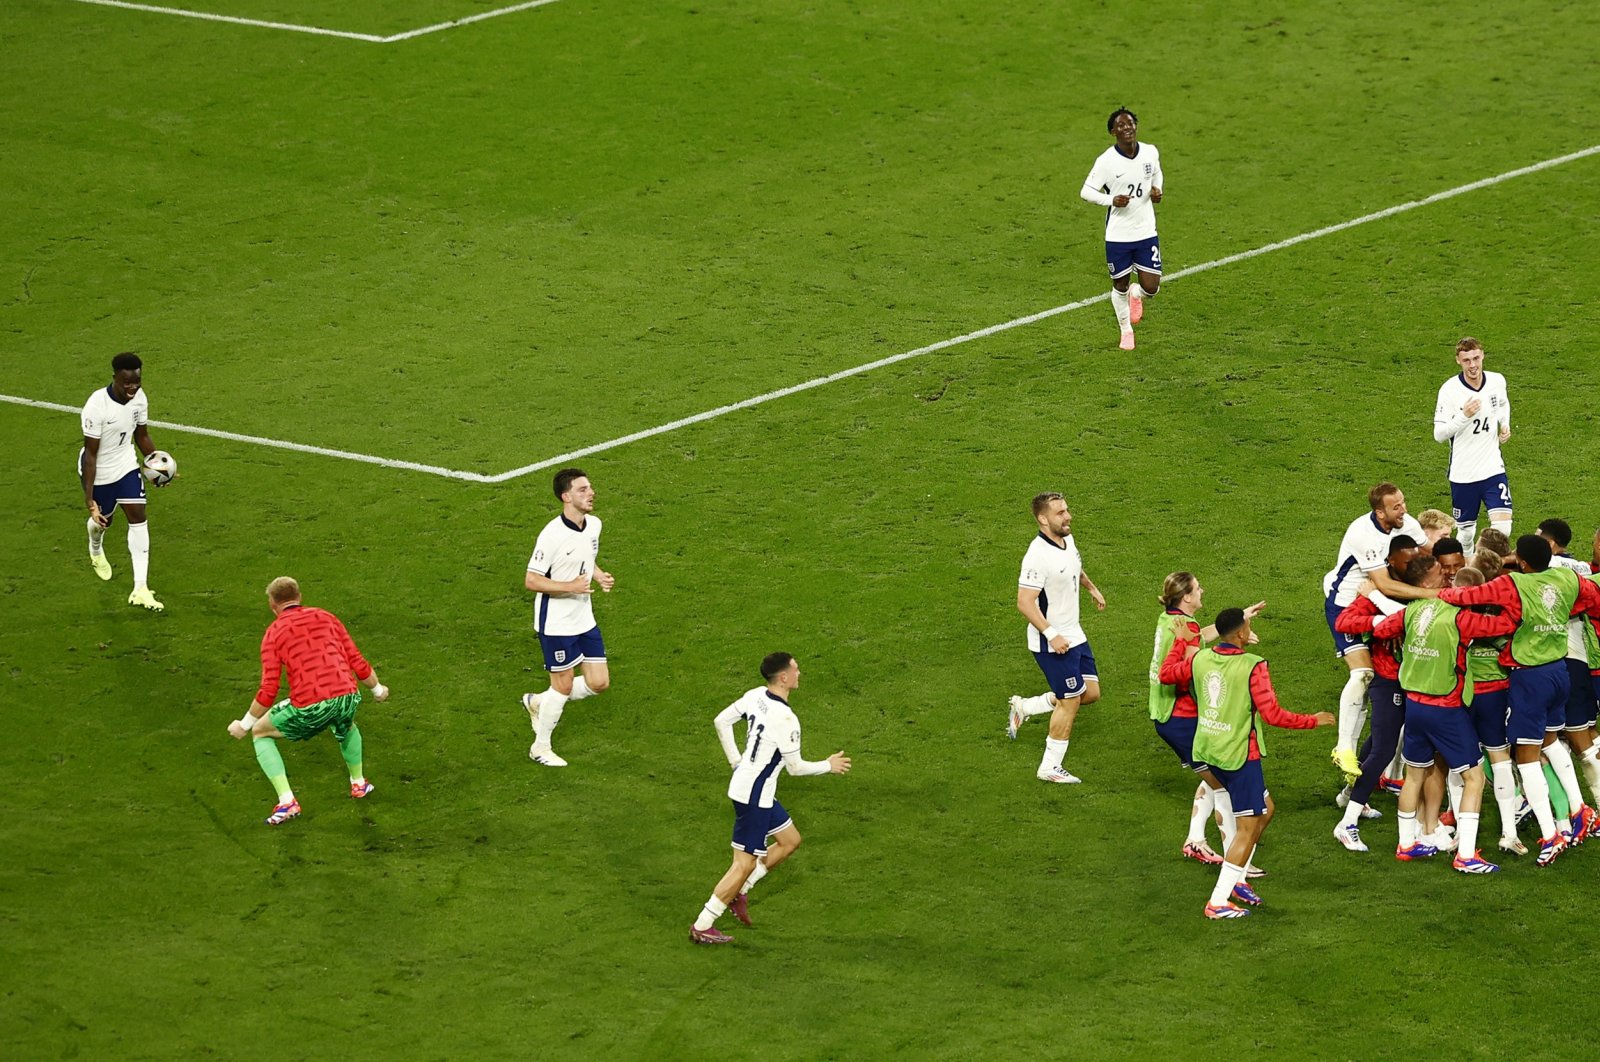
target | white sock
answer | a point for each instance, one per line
(1467, 834)
(1466, 534)
(551, 705)
(1353, 707)
(1199, 812)
(1453, 786)
(755, 875)
(1032, 706)
(1119, 303)
(1136, 290)
(97, 536)
(1229, 876)
(1226, 822)
(1054, 752)
(580, 690)
(1408, 828)
(139, 549)
(710, 912)
(1538, 794)
(1561, 762)
(1504, 527)
(1590, 764)
(1352, 814)
(1505, 795)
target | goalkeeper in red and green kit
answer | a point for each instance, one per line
(324, 668)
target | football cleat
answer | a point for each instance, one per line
(741, 908)
(1473, 864)
(283, 813)
(1370, 812)
(102, 567)
(530, 702)
(1015, 719)
(1243, 893)
(1252, 872)
(1059, 775)
(1549, 849)
(1390, 785)
(1126, 343)
(1201, 853)
(1135, 309)
(709, 936)
(360, 789)
(1584, 824)
(1418, 850)
(1345, 760)
(1343, 798)
(1225, 910)
(1514, 845)
(1524, 809)
(545, 756)
(1350, 837)
(145, 599)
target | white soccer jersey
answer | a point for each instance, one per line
(1576, 649)
(772, 741)
(1365, 548)
(1055, 571)
(1116, 174)
(563, 552)
(113, 422)
(1474, 441)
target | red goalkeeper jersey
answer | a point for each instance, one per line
(322, 660)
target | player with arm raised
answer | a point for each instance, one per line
(115, 435)
(1127, 180)
(772, 745)
(324, 669)
(1473, 415)
(1047, 596)
(562, 574)
(1363, 553)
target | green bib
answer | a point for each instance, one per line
(1547, 600)
(1432, 644)
(1227, 714)
(1163, 699)
(1590, 642)
(1483, 661)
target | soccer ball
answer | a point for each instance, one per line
(159, 468)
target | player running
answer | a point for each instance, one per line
(1473, 415)
(1047, 594)
(324, 667)
(772, 741)
(1127, 180)
(1233, 689)
(562, 574)
(115, 434)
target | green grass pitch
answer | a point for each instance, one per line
(489, 245)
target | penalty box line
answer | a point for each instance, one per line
(843, 374)
(370, 38)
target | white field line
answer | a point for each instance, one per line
(386, 462)
(944, 344)
(371, 38)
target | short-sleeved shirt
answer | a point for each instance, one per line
(1474, 441)
(113, 423)
(565, 551)
(1055, 571)
(1117, 174)
(319, 654)
(1364, 548)
(772, 731)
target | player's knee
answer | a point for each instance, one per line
(1091, 693)
(792, 840)
(598, 684)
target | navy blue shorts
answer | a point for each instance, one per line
(1538, 702)
(1178, 733)
(1121, 258)
(1342, 643)
(753, 824)
(1580, 695)
(1492, 493)
(1068, 672)
(563, 652)
(1489, 711)
(1247, 787)
(129, 490)
(1448, 732)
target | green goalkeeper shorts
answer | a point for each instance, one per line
(298, 724)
